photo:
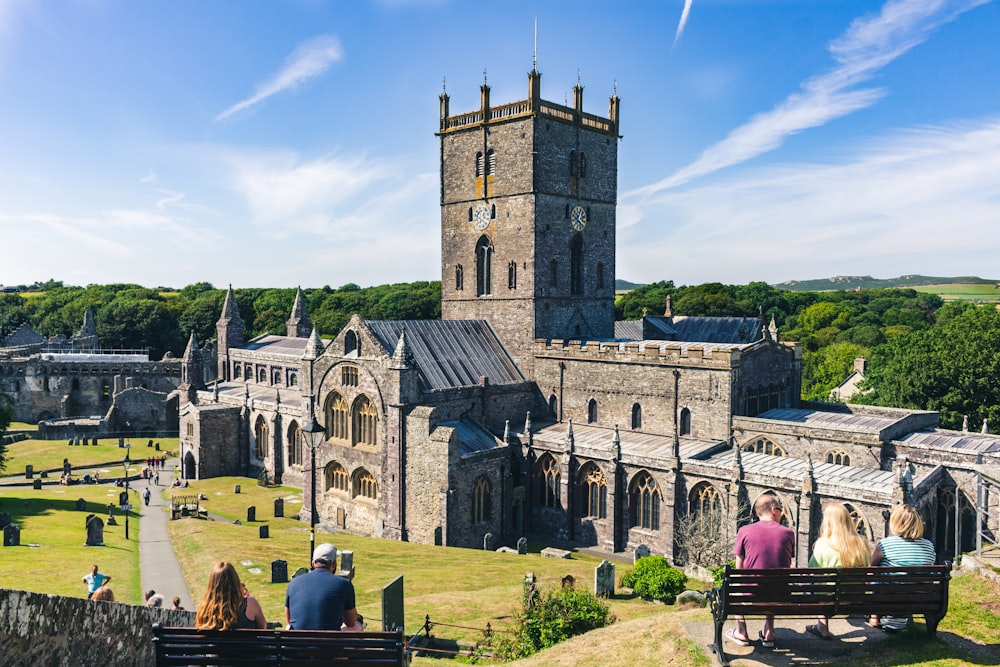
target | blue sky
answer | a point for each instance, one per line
(276, 144)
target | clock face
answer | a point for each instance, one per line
(578, 218)
(481, 217)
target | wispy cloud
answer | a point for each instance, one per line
(922, 193)
(683, 21)
(309, 60)
(869, 44)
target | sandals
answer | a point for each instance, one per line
(816, 632)
(731, 636)
(766, 643)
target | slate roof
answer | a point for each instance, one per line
(473, 437)
(286, 346)
(634, 443)
(450, 353)
(726, 330)
(872, 424)
(23, 335)
(973, 442)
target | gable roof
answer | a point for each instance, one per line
(23, 335)
(727, 330)
(450, 353)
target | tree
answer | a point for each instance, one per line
(827, 367)
(953, 368)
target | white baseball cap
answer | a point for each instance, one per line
(325, 552)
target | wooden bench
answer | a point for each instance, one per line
(849, 591)
(302, 648)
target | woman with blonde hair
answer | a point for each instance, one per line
(839, 545)
(103, 594)
(906, 546)
(225, 607)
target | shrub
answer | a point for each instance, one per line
(653, 578)
(551, 617)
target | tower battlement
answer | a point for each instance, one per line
(668, 353)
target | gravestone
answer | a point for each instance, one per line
(279, 571)
(95, 531)
(37, 485)
(236, 489)
(392, 605)
(12, 535)
(77, 441)
(346, 567)
(81, 505)
(29, 471)
(67, 468)
(44, 474)
(279, 508)
(4, 519)
(641, 551)
(150, 443)
(522, 545)
(263, 532)
(70, 442)
(86, 441)
(298, 571)
(553, 552)
(604, 579)
(156, 446)
(488, 542)
(121, 441)
(94, 441)
(251, 514)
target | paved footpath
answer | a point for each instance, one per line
(157, 560)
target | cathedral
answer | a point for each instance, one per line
(527, 410)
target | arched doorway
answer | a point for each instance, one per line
(190, 467)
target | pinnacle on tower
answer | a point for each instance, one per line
(314, 348)
(299, 325)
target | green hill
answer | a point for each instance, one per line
(868, 282)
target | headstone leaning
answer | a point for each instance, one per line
(488, 542)
(522, 545)
(641, 551)
(70, 442)
(251, 514)
(279, 571)
(95, 531)
(279, 508)
(604, 579)
(12, 535)
(81, 505)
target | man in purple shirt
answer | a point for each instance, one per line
(762, 545)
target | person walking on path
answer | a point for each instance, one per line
(146, 495)
(319, 599)
(95, 580)
(157, 559)
(765, 544)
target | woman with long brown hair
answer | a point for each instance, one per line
(225, 606)
(839, 545)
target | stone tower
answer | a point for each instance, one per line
(192, 372)
(299, 325)
(528, 193)
(230, 333)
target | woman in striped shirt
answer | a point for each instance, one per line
(906, 546)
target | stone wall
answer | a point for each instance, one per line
(38, 629)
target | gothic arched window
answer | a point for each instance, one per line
(764, 446)
(335, 476)
(481, 500)
(706, 506)
(479, 164)
(592, 411)
(260, 432)
(685, 422)
(838, 457)
(484, 266)
(554, 405)
(583, 165)
(512, 275)
(336, 417)
(576, 264)
(636, 416)
(572, 163)
(364, 422)
(364, 485)
(294, 445)
(352, 343)
(592, 489)
(547, 482)
(459, 277)
(491, 162)
(644, 502)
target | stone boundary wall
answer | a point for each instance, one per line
(38, 630)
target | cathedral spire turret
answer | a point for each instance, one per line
(402, 357)
(229, 330)
(299, 325)
(192, 370)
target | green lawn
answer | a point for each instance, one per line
(964, 292)
(49, 455)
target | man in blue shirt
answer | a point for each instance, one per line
(319, 599)
(95, 580)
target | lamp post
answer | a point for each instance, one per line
(125, 508)
(314, 434)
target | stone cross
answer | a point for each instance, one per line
(604, 579)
